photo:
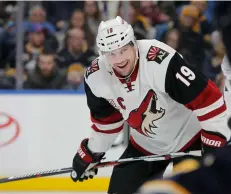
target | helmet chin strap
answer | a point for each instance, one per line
(113, 71)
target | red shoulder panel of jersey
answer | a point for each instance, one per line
(208, 96)
(156, 54)
(92, 68)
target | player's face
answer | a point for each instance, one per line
(46, 64)
(122, 60)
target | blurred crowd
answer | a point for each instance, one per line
(59, 37)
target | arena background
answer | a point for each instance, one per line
(42, 120)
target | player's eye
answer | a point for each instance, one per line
(112, 54)
(124, 50)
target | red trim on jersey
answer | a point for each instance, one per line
(110, 131)
(113, 118)
(147, 153)
(212, 113)
(207, 97)
(212, 140)
(190, 142)
(138, 147)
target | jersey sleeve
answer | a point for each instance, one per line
(191, 88)
(107, 122)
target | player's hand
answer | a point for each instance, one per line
(83, 163)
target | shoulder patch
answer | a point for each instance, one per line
(156, 54)
(92, 68)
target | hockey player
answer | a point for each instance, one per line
(169, 106)
(212, 175)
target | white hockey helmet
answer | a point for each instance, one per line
(114, 34)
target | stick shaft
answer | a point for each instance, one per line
(151, 158)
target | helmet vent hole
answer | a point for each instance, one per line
(122, 38)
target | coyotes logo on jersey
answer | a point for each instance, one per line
(143, 118)
(93, 68)
(156, 54)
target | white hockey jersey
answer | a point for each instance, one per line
(167, 103)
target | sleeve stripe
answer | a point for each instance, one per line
(215, 105)
(111, 131)
(109, 126)
(113, 118)
(212, 113)
(207, 97)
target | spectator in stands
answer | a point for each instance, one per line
(205, 10)
(60, 12)
(168, 10)
(212, 65)
(205, 27)
(139, 22)
(37, 15)
(78, 20)
(193, 44)
(6, 9)
(173, 39)
(8, 80)
(75, 77)
(75, 50)
(46, 74)
(93, 15)
(151, 10)
(32, 49)
(7, 42)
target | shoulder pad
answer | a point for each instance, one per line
(97, 76)
(155, 50)
(155, 57)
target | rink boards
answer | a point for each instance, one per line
(40, 132)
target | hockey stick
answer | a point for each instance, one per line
(101, 165)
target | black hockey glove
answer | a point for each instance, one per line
(83, 162)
